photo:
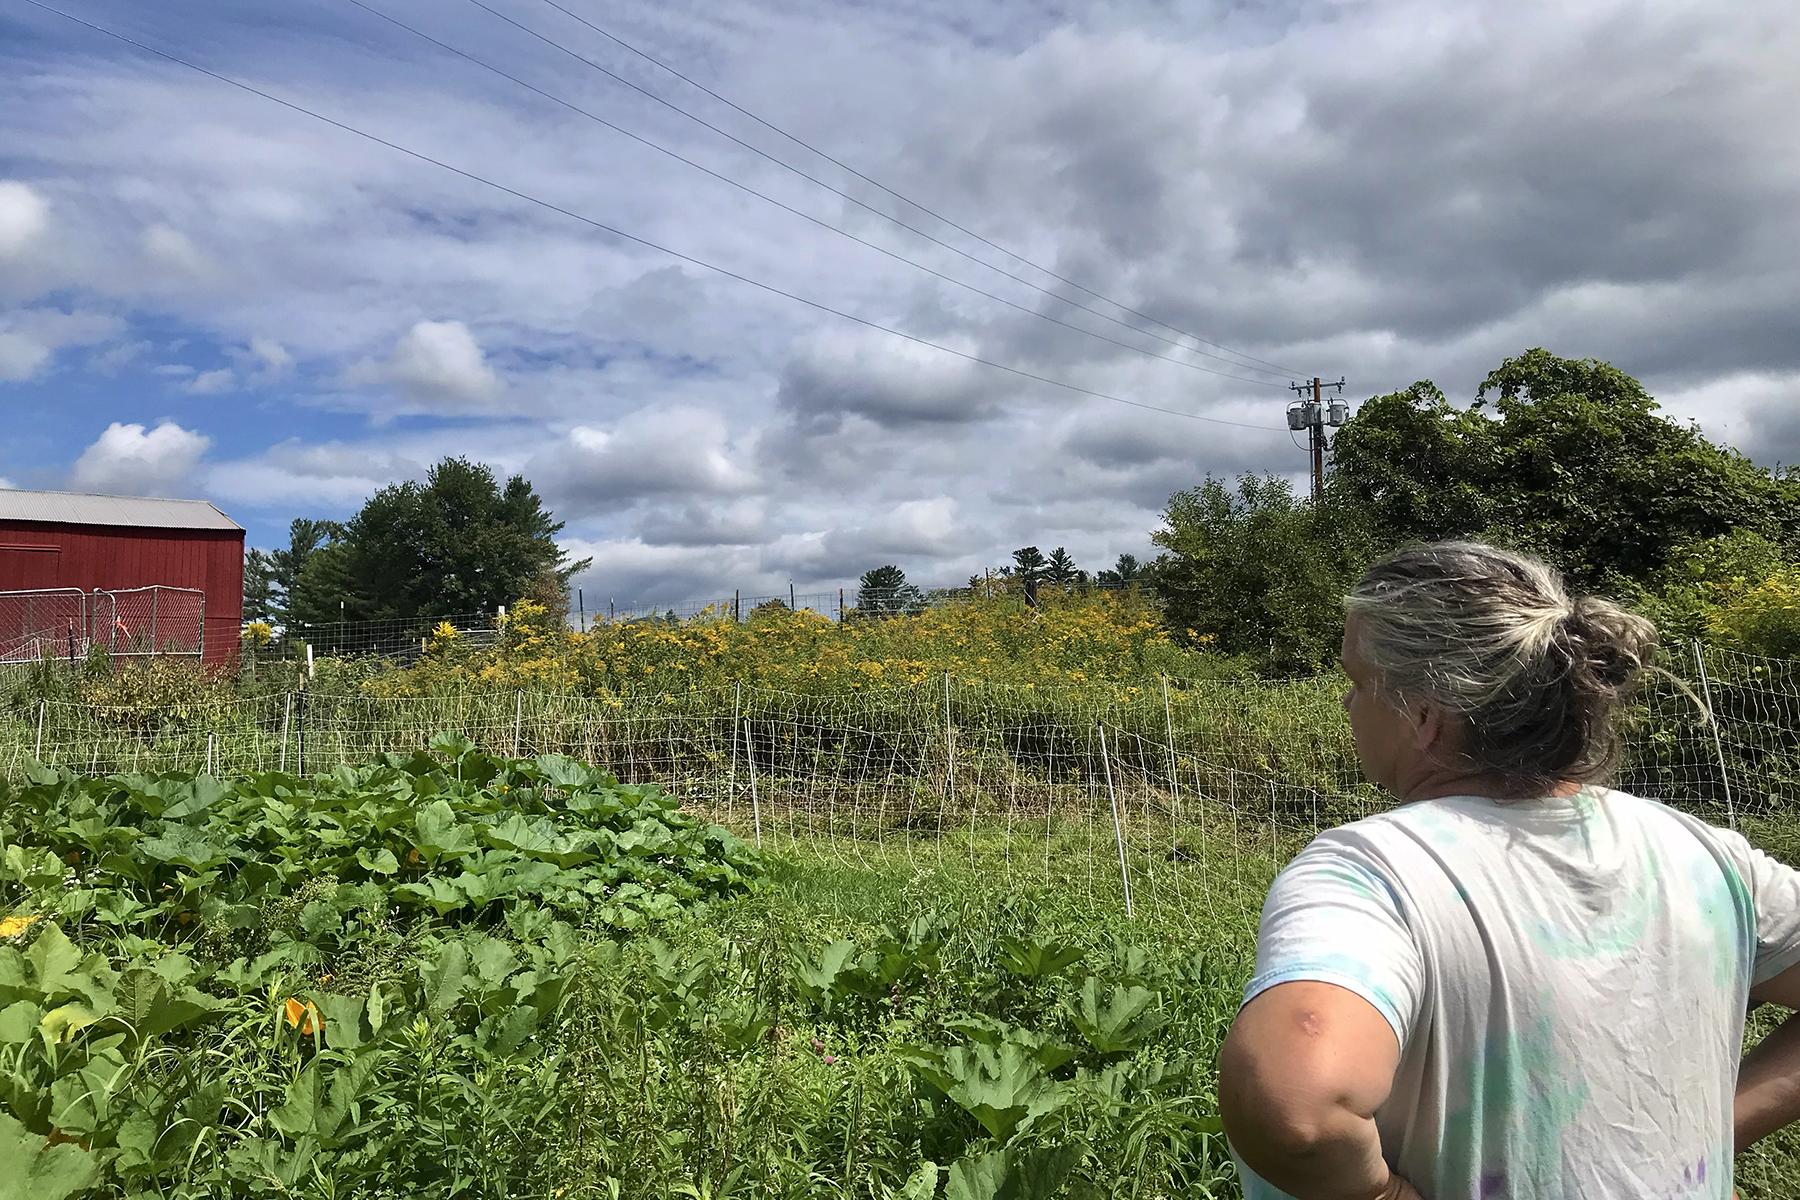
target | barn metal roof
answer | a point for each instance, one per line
(83, 508)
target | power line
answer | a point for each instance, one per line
(628, 237)
(788, 208)
(907, 200)
(867, 207)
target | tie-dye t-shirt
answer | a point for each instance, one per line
(1567, 978)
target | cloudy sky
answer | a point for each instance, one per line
(204, 293)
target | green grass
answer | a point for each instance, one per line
(830, 1102)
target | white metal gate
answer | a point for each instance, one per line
(67, 623)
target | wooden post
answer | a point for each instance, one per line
(1118, 823)
(211, 754)
(38, 752)
(737, 605)
(518, 719)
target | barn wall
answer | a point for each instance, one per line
(35, 555)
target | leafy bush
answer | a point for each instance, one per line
(1765, 617)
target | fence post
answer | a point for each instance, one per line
(840, 606)
(211, 753)
(518, 719)
(38, 752)
(300, 729)
(790, 595)
(155, 593)
(1712, 719)
(309, 661)
(755, 805)
(287, 719)
(581, 610)
(737, 602)
(1118, 824)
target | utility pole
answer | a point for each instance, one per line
(1312, 414)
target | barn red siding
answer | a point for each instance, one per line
(42, 555)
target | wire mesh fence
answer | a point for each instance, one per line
(1166, 795)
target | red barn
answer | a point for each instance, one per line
(116, 543)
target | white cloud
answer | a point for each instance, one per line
(211, 383)
(6, 483)
(129, 459)
(114, 359)
(653, 452)
(271, 354)
(888, 381)
(24, 216)
(170, 249)
(21, 357)
(437, 364)
(30, 338)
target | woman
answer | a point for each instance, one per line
(1517, 983)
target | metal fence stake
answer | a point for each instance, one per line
(755, 805)
(287, 718)
(1712, 720)
(1118, 823)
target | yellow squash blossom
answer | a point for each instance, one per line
(303, 1015)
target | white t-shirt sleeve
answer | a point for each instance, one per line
(1334, 917)
(1774, 889)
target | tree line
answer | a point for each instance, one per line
(885, 591)
(461, 541)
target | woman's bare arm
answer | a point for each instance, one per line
(1768, 1090)
(1303, 1070)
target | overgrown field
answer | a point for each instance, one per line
(453, 974)
(985, 688)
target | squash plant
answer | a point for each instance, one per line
(255, 985)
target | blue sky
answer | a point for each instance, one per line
(202, 293)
